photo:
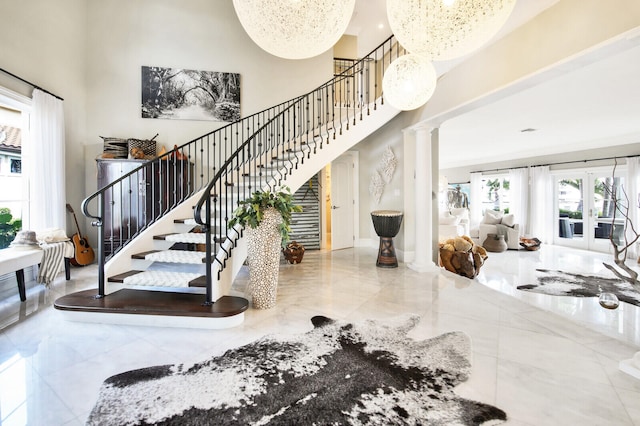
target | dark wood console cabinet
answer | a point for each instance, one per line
(141, 197)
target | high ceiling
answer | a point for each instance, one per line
(594, 106)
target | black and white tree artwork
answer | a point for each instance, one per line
(182, 94)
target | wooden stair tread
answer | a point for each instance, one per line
(201, 281)
(143, 254)
(120, 277)
(152, 302)
(163, 236)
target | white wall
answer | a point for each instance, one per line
(371, 151)
(43, 41)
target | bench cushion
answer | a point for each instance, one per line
(13, 259)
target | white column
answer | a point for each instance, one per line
(424, 204)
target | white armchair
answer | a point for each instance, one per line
(497, 223)
(453, 223)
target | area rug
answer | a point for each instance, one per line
(336, 374)
(560, 283)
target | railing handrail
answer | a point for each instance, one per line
(222, 170)
(288, 115)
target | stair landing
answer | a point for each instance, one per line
(153, 308)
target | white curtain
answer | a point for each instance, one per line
(46, 166)
(475, 204)
(519, 197)
(542, 217)
(632, 188)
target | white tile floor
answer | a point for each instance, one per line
(544, 360)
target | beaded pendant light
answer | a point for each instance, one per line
(446, 29)
(294, 29)
(409, 82)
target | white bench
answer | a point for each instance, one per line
(17, 259)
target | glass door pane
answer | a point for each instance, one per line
(607, 220)
(570, 193)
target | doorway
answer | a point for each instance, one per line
(341, 207)
(585, 213)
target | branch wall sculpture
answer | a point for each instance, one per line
(383, 174)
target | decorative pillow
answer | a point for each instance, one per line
(492, 217)
(448, 219)
(508, 220)
(461, 212)
(51, 235)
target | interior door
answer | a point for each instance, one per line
(342, 203)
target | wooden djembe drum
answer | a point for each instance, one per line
(387, 224)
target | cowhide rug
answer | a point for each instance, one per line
(338, 373)
(560, 283)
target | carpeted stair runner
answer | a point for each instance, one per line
(190, 238)
(161, 279)
(177, 256)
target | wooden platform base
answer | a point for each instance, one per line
(150, 307)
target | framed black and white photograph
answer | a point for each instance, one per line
(180, 94)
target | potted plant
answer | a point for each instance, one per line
(266, 217)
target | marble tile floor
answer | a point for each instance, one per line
(545, 360)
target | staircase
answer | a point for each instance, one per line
(181, 262)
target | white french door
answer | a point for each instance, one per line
(585, 216)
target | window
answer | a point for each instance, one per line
(495, 193)
(14, 130)
(16, 166)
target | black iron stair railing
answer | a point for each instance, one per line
(256, 152)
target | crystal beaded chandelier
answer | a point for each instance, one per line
(409, 82)
(446, 29)
(294, 29)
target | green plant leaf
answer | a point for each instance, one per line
(250, 212)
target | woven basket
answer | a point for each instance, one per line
(116, 147)
(147, 146)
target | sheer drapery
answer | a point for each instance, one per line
(46, 163)
(519, 197)
(632, 188)
(541, 222)
(475, 204)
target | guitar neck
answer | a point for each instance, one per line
(70, 210)
(77, 226)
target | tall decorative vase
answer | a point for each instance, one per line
(263, 256)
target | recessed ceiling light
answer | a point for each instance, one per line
(528, 130)
(380, 26)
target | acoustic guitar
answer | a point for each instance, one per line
(84, 254)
